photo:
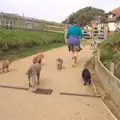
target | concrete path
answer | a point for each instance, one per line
(24, 105)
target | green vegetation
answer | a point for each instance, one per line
(21, 43)
(110, 52)
(16, 38)
(85, 16)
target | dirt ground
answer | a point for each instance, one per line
(24, 105)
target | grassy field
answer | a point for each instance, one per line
(110, 52)
(21, 37)
(22, 43)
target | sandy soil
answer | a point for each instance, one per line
(24, 105)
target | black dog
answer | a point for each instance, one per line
(86, 76)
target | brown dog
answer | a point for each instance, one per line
(34, 71)
(5, 64)
(59, 63)
(38, 58)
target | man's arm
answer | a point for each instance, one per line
(67, 33)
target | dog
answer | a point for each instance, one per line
(98, 45)
(86, 75)
(59, 63)
(93, 44)
(33, 72)
(5, 64)
(38, 58)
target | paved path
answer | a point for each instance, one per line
(24, 105)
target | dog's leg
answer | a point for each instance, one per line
(38, 78)
(89, 81)
(33, 82)
(29, 81)
(3, 69)
(85, 82)
(58, 67)
(61, 66)
(8, 69)
(91, 44)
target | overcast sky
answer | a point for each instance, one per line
(53, 10)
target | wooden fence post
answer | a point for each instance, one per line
(111, 67)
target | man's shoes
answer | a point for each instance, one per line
(73, 62)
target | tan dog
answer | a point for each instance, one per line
(59, 63)
(38, 58)
(34, 71)
(5, 64)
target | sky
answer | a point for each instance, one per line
(53, 10)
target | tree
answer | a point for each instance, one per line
(85, 16)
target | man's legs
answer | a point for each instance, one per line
(74, 50)
(74, 58)
(75, 55)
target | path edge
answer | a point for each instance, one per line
(95, 90)
(46, 52)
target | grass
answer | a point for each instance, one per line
(108, 47)
(22, 37)
(23, 43)
(15, 54)
(110, 52)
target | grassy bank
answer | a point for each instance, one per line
(110, 52)
(22, 43)
(16, 54)
(17, 38)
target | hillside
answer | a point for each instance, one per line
(110, 52)
(17, 38)
(16, 42)
(85, 16)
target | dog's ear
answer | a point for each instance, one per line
(34, 60)
(40, 61)
(10, 60)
